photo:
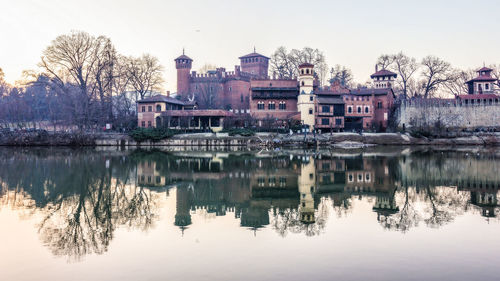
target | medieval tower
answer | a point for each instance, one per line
(305, 100)
(183, 65)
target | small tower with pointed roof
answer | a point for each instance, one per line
(305, 100)
(183, 64)
(383, 79)
(483, 83)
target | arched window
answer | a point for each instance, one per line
(367, 109)
(303, 83)
(307, 71)
(359, 109)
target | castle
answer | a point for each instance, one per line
(229, 90)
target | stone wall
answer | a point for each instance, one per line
(450, 114)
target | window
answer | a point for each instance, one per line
(487, 86)
(325, 108)
(367, 109)
(379, 104)
(230, 89)
(338, 122)
(325, 121)
(282, 105)
(271, 106)
(311, 98)
(260, 105)
(349, 109)
(143, 124)
(158, 108)
(143, 109)
(310, 111)
(241, 98)
(150, 108)
(359, 109)
(307, 71)
(149, 124)
(303, 83)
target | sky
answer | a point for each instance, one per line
(351, 33)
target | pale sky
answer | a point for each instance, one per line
(351, 33)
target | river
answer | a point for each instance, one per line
(383, 213)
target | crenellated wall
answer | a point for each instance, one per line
(448, 113)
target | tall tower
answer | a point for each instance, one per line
(255, 64)
(183, 65)
(306, 98)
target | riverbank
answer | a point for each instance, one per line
(339, 140)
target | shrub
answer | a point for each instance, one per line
(239, 131)
(153, 134)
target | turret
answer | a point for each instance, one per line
(183, 65)
(483, 83)
(306, 98)
(255, 64)
(383, 78)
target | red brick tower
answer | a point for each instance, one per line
(183, 65)
(255, 64)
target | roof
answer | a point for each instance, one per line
(198, 113)
(383, 73)
(484, 68)
(183, 57)
(161, 98)
(330, 100)
(371, 91)
(306, 64)
(253, 55)
(482, 78)
(478, 96)
(281, 89)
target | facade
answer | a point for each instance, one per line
(273, 100)
(229, 90)
(164, 111)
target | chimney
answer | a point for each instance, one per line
(168, 93)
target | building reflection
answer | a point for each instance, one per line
(288, 192)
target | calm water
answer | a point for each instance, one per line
(375, 214)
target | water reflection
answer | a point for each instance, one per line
(82, 196)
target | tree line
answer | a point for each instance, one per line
(82, 81)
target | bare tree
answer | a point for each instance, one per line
(405, 66)
(207, 94)
(342, 74)
(77, 58)
(435, 74)
(206, 67)
(144, 74)
(285, 64)
(456, 85)
(384, 61)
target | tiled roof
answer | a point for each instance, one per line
(253, 55)
(482, 78)
(330, 100)
(371, 91)
(383, 72)
(183, 57)
(485, 69)
(161, 98)
(306, 64)
(478, 96)
(198, 113)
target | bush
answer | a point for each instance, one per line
(239, 131)
(153, 134)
